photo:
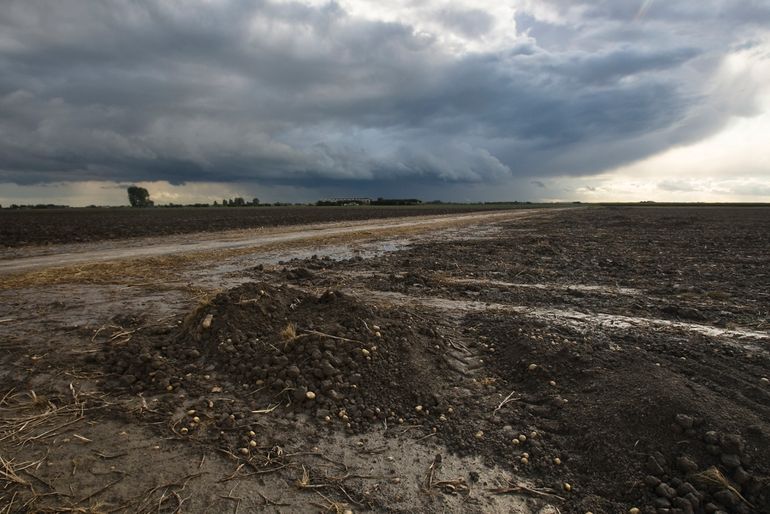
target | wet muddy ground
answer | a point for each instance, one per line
(591, 360)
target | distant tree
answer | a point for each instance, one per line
(239, 202)
(215, 203)
(255, 201)
(139, 197)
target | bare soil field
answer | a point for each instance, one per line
(22, 227)
(586, 360)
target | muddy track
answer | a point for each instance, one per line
(32, 258)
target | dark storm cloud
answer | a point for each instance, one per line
(296, 94)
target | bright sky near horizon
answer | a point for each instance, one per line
(627, 100)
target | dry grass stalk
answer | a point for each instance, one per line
(519, 488)
(28, 417)
(507, 399)
(714, 478)
(289, 333)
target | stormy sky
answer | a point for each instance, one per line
(461, 100)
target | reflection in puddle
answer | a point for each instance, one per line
(563, 287)
(564, 317)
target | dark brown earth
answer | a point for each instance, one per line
(604, 360)
(20, 227)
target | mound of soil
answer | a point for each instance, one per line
(328, 357)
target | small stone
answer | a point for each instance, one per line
(418, 408)
(365, 352)
(765, 380)
(567, 487)
(730, 460)
(552, 383)
(216, 389)
(479, 434)
(732, 443)
(711, 437)
(183, 430)
(557, 461)
(741, 476)
(522, 438)
(686, 464)
(206, 324)
(524, 460)
(532, 367)
(633, 510)
(310, 395)
(253, 443)
(683, 504)
(726, 497)
(693, 499)
(684, 421)
(664, 490)
(244, 451)
(685, 489)
(652, 481)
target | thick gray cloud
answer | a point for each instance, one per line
(288, 93)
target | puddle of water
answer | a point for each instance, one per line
(563, 287)
(572, 318)
(230, 273)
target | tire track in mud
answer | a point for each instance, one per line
(565, 317)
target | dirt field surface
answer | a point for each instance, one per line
(565, 361)
(22, 227)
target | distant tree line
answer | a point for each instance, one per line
(37, 206)
(237, 202)
(396, 201)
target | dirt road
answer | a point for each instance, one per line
(32, 258)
